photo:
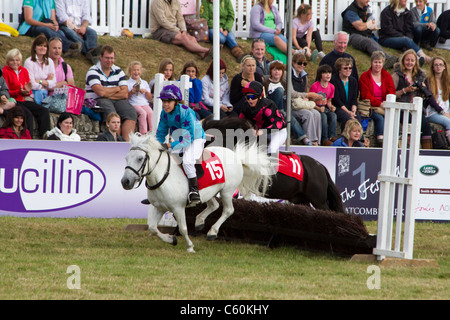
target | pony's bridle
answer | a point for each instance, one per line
(140, 172)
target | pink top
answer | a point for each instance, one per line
(38, 72)
(302, 29)
(377, 93)
(328, 91)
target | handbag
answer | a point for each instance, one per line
(56, 103)
(439, 140)
(365, 108)
(198, 28)
(300, 103)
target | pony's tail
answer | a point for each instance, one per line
(333, 196)
(258, 169)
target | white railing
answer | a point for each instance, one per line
(112, 16)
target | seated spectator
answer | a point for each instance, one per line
(107, 83)
(6, 102)
(40, 17)
(340, 45)
(307, 116)
(18, 80)
(325, 106)
(167, 68)
(275, 88)
(63, 71)
(346, 92)
(239, 81)
(41, 69)
(195, 92)
(406, 73)
(426, 33)
(351, 136)
(264, 115)
(439, 84)
(226, 108)
(112, 129)
(375, 84)
(15, 126)
(443, 23)
(226, 24)
(359, 22)
(265, 23)
(167, 25)
(139, 96)
(304, 31)
(258, 51)
(74, 17)
(64, 130)
(397, 29)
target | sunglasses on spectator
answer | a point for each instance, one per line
(251, 96)
(304, 63)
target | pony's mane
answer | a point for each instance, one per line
(146, 142)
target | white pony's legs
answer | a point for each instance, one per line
(228, 210)
(211, 206)
(180, 216)
(154, 216)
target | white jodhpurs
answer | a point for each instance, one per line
(277, 139)
(191, 154)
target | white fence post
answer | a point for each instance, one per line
(394, 178)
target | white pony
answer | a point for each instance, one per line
(247, 169)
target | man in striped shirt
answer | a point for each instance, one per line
(107, 83)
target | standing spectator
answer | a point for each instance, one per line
(18, 81)
(406, 74)
(74, 17)
(304, 31)
(41, 69)
(226, 24)
(107, 83)
(63, 71)
(375, 84)
(239, 81)
(265, 23)
(443, 23)
(112, 129)
(40, 17)
(345, 92)
(326, 89)
(167, 25)
(360, 24)
(15, 126)
(64, 130)
(258, 52)
(308, 117)
(226, 108)
(340, 45)
(139, 96)
(426, 33)
(439, 85)
(397, 29)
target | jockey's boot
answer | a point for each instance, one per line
(193, 196)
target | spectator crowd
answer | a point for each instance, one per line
(340, 99)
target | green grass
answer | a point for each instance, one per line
(115, 264)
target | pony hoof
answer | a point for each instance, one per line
(191, 250)
(174, 241)
(200, 227)
(211, 238)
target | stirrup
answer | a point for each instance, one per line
(193, 199)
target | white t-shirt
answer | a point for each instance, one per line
(138, 99)
(302, 29)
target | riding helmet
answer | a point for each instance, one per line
(171, 92)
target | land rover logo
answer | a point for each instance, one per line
(429, 170)
(46, 180)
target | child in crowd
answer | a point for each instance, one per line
(275, 84)
(166, 67)
(323, 87)
(195, 92)
(426, 33)
(303, 32)
(139, 96)
(351, 136)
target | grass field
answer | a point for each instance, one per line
(115, 264)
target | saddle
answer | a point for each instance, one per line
(290, 165)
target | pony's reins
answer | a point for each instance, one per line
(142, 168)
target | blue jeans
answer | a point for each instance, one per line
(229, 40)
(277, 96)
(269, 38)
(425, 35)
(440, 119)
(296, 128)
(400, 43)
(378, 121)
(89, 40)
(329, 123)
(50, 33)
